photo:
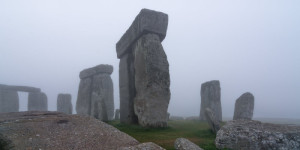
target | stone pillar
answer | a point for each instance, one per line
(37, 101)
(244, 106)
(117, 114)
(9, 101)
(144, 71)
(95, 93)
(64, 103)
(211, 98)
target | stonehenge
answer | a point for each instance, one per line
(244, 106)
(64, 103)
(9, 98)
(144, 79)
(37, 101)
(211, 98)
(95, 93)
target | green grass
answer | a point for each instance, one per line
(196, 131)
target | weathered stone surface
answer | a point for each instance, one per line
(147, 21)
(117, 114)
(83, 103)
(64, 103)
(212, 121)
(19, 88)
(127, 89)
(9, 101)
(152, 82)
(244, 106)
(96, 70)
(211, 98)
(143, 146)
(185, 144)
(37, 102)
(102, 106)
(53, 130)
(95, 94)
(253, 135)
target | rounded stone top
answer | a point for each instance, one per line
(210, 83)
(246, 96)
(103, 68)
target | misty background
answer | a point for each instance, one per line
(250, 46)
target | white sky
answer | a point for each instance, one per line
(248, 45)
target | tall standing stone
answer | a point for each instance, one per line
(244, 106)
(9, 101)
(37, 101)
(95, 93)
(211, 98)
(83, 104)
(152, 82)
(64, 103)
(144, 71)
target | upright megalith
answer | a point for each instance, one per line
(64, 103)
(37, 101)
(95, 93)
(244, 106)
(144, 78)
(9, 101)
(211, 98)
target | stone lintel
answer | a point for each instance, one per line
(19, 88)
(96, 70)
(147, 21)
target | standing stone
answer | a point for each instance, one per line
(144, 71)
(152, 82)
(95, 93)
(37, 101)
(99, 97)
(83, 104)
(212, 121)
(9, 101)
(64, 103)
(127, 89)
(244, 106)
(117, 114)
(211, 98)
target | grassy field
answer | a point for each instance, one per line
(196, 131)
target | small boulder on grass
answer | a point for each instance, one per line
(185, 144)
(212, 121)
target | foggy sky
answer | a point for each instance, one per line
(250, 46)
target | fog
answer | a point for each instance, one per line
(250, 46)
